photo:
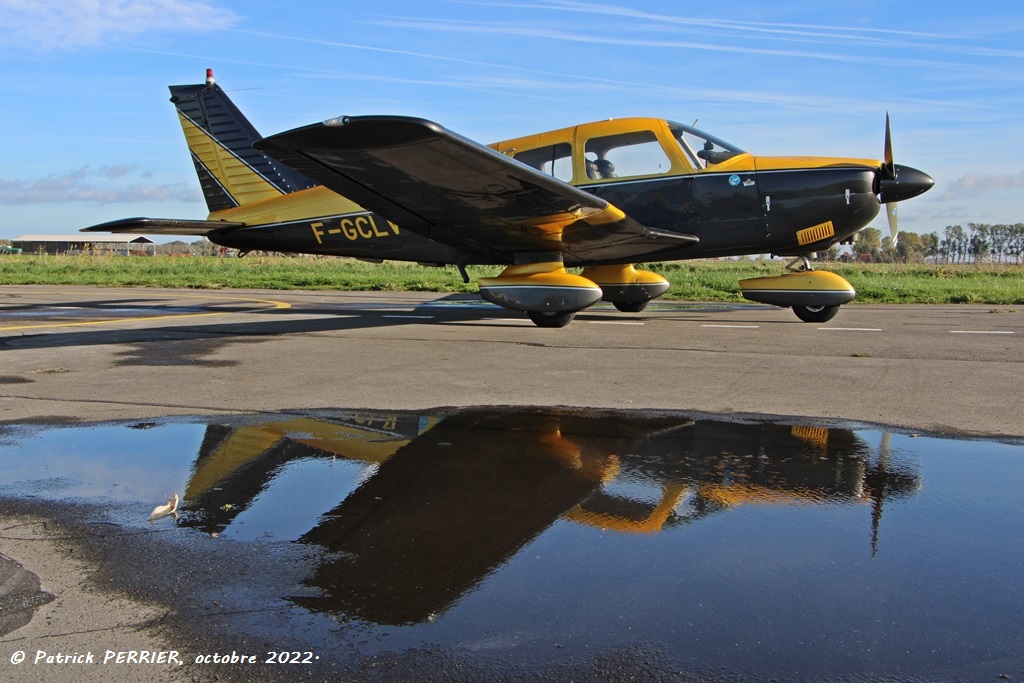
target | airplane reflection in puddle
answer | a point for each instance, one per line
(444, 501)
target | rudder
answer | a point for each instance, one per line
(220, 139)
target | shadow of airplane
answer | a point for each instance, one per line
(190, 343)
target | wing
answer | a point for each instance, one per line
(434, 182)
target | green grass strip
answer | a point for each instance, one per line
(691, 280)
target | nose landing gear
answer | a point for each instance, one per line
(814, 295)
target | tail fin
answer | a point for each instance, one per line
(220, 138)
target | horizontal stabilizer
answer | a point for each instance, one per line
(164, 226)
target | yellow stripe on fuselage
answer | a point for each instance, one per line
(798, 163)
(311, 203)
(751, 163)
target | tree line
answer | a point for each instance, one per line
(977, 243)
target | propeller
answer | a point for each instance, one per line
(889, 173)
(896, 183)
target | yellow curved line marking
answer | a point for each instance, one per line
(274, 305)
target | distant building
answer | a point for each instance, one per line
(123, 245)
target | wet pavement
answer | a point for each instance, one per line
(538, 544)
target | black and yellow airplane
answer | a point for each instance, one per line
(601, 196)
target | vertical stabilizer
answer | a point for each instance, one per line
(220, 138)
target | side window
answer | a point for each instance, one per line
(628, 154)
(554, 160)
(704, 151)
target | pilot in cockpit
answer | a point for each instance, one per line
(605, 168)
(711, 156)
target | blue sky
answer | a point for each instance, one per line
(89, 135)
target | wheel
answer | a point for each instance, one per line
(816, 314)
(630, 306)
(551, 318)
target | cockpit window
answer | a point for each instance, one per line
(554, 160)
(624, 155)
(700, 148)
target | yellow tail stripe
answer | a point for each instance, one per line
(240, 181)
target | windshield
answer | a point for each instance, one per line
(701, 149)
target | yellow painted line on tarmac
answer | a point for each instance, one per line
(274, 305)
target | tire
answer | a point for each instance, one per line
(551, 318)
(816, 314)
(630, 306)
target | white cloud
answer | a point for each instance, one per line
(977, 184)
(70, 24)
(92, 186)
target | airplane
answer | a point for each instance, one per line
(599, 196)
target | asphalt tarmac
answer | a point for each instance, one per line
(84, 355)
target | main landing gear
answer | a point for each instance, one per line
(540, 286)
(630, 306)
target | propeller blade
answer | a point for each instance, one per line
(889, 167)
(889, 172)
(894, 228)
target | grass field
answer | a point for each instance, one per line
(691, 280)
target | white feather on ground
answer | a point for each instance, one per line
(171, 508)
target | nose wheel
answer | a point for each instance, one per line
(810, 314)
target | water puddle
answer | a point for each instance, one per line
(20, 595)
(546, 535)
